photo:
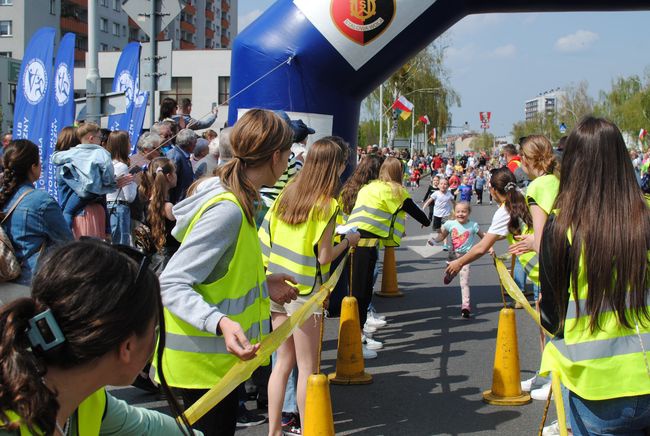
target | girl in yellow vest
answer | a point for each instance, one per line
(297, 239)
(594, 276)
(92, 321)
(214, 288)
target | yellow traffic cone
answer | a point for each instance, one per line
(389, 286)
(319, 420)
(350, 367)
(506, 385)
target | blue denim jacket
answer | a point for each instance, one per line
(36, 221)
(87, 169)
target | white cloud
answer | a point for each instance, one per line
(505, 51)
(245, 20)
(581, 40)
(460, 55)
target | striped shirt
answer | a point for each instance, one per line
(270, 194)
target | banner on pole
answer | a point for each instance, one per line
(485, 119)
(125, 81)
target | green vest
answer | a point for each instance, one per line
(293, 249)
(89, 415)
(196, 359)
(608, 363)
(543, 190)
(378, 211)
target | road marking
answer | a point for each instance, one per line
(427, 250)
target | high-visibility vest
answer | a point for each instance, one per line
(543, 190)
(196, 359)
(608, 363)
(293, 249)
(379, 212)
(89, 415)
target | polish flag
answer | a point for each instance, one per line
(424, 119)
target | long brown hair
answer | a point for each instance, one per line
(99, 297)
(315, 184)
(67, 139)
(154, 187)
(538, 152)
(391, 172)
(367, 170)
(18, 159)
(119, 146)
(254, 139)
(598, 186)
(505, 183)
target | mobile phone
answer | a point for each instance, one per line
(214, 105)
(135, 170)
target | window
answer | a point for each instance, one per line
(6, 2)
(5, 54)
(103, 47)
(116, 5)
(103, 24)
(12, 93)
(103, 3)
(181, 88)
(5, 28)
(123, 30)
(116, 29)
(224, 89)
(52, 7)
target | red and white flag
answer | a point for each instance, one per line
(642, 134)
(424, 119)
(403, 104)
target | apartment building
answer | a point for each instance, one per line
(548, 102)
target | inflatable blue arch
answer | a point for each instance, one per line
(318, 59)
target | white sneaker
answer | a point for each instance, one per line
(526, 385)
(368, 330)
(552, 430)
(541, 394)
(368, 353)
(372, 313)
(371, 344)
(374, 322)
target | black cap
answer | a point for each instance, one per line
(300, 130)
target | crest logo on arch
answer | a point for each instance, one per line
(362, 20)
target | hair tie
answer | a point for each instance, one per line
(510, 186)
(159, 170)
(241, 159)
(44, 323)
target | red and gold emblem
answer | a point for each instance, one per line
(362, 20)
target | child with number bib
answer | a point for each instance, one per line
(463, 234)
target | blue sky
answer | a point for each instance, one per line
(497, 61)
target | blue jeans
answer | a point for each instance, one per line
(120, 218)
(519, 277)
(619, 416)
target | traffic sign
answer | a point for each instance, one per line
(562, 128)
(139, 11)
(111, 103)
(163, 65)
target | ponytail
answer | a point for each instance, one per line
(233, 177)
(157, 185)
(505, 183)
(18, 158)
(22, 389)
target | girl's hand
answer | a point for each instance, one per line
(453, 267)
(353, 238)
(236, 341)
(279, 290)
(124, 180)
(525, 244)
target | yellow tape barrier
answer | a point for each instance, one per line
(513, 290)
(242, 370)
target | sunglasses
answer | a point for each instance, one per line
(132, 253)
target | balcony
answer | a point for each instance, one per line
(79, 55)
(73, 25)
(187, 45)
(190, 9)
(225, 6)
(225, 42)
(209, 33)
(188, 27)
(82, 3)
(224, 23)
(209, 15)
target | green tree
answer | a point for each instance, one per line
(542, 124)
(627, 104)
(483, 142)
(575, 104)
(368, 133)
(423, 80)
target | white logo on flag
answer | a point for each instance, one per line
(62, 84)
(34, 81)
(125, 85)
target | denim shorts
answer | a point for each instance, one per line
(618, 416)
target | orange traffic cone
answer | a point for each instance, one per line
(319, 420)
(389, 286)
(506, 385)
(350, 367)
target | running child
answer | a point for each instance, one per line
(443, 200)
(463, 237)
(465, 190)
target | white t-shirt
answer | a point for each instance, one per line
(500, 222)
(443, 203)
(128, 192)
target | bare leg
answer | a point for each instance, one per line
(285, 361)
(306, 340)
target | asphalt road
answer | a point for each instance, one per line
(429, 377)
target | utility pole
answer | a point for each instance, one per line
(153, 46)
(92, 77)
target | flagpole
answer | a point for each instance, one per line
(381, 116)
(426, 145)
(412, 131)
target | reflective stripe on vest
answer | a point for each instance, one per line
(196, 359)
(88, 415)
(292, 248)
(529, 260)
(378, 211)
(609, 362)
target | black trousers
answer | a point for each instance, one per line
(221, 420)
(363, 268)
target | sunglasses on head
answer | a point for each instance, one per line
(138, 256)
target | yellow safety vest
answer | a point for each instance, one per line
(379, 212)
(293, 249)
(608, 363)
(89, 416)
(196, 359)
(544, 191)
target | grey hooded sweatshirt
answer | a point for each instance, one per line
(203, 257)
